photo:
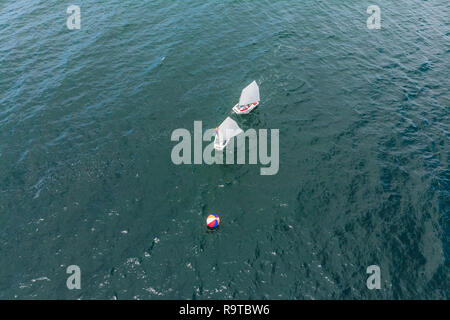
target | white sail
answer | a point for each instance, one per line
(227, 130)
(249, 94)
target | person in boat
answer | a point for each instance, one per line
(244, 107)
(217, 135)
(216, 130)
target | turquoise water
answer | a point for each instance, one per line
(86, 176)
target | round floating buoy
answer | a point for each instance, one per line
(213, 221)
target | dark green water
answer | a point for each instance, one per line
(86, 176)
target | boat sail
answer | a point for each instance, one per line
(249, 99)
(225, 132)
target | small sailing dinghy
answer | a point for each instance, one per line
(225, 132)
(249, 99)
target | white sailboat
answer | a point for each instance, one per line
(225, 132)
(249, 99)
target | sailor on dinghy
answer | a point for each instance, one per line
(249, 99)
(225, 132)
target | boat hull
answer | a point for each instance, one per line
(245, 110)
(218, 146)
